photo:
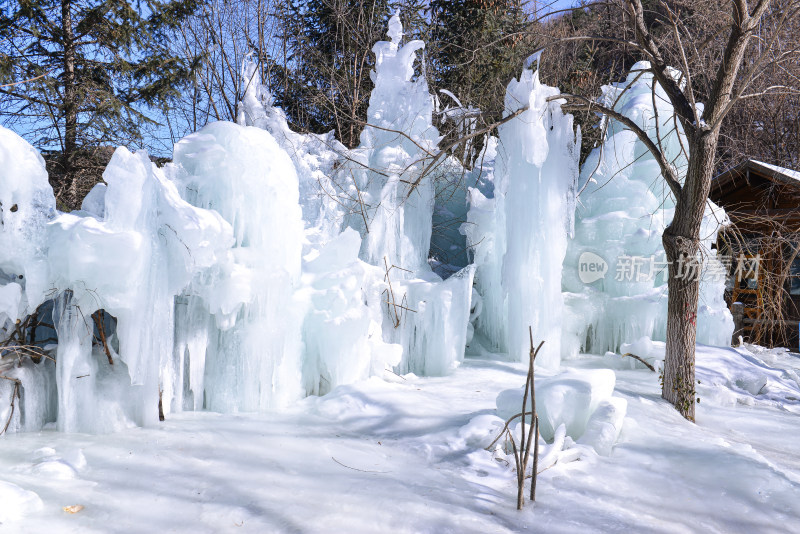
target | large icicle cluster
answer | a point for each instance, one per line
(253, 339)
(262, 265)
(519, 237)
(624, 208)
(228, 280)
(340, 296)
(131, 261)
(426, 316)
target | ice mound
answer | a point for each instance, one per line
(342, 328)
(479, 432)
(518, 238)
(569, 398)
(48, 463)
(16, 502)
(625, 206)
(55, 468)
(604, 425)
(653, 352)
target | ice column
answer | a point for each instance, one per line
(253, 357)
(395, 149)
(520, 236)
(395, 192)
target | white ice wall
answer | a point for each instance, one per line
(131, 262)
(253, 357)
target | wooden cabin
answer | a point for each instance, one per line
(761, 248)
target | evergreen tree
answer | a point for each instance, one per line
(478, 46)
(326, 81)
(87, 73)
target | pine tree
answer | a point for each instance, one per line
(326, 76)
(477, 47)
(87, 73)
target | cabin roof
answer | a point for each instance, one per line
(758, 196)
(780, 175)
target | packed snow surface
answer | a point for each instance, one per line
(408, 456)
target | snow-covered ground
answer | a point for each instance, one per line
(406, 455)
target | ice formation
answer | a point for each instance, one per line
(262, 265)
(315, 157)
(339, 297)
(228, 280)
(131, 263)
(518, 238)
(397, 196)
(392, 180)
(614, 274)
(395, 231)
(569, 398)
(26, 206)
(252, 356)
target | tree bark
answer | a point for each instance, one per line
(681, 242)
(70, 105)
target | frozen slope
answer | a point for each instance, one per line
(408, 457)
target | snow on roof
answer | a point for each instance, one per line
(782, 170)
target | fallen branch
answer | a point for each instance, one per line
(356, 469)
(390, 294)
(635, 357)
(502, 432)
(14, 395)
(98, 321)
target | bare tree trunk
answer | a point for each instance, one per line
(682, 245)
(70, 105)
